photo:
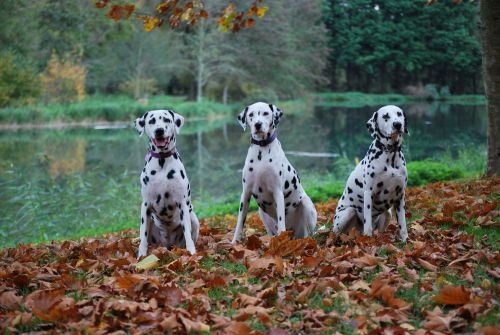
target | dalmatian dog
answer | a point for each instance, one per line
(378, 182)
(270, 179)
(167, 216)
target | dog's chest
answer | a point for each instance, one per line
(166, 188)
(266, 171)
(388, 186)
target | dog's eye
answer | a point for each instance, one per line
(386, 117)
(250, 115)
(399, 114)
(266, 113)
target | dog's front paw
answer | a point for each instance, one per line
(143, 251)
(368, 231)
(192, 250)
(404, 235)
(235, 240)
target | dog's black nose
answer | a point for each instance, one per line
(159, 132)
(397, 125)
(258, 125)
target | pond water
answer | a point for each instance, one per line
(63, 183)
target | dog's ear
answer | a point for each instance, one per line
(242, 118)
(406, 123)
(178, 121)
(139, 124)
(277, 114)
(372, 125)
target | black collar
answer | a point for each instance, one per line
(267, 141)
(388, 148)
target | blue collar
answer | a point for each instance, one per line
(267, 141)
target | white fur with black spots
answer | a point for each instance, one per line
(269, 177)
(379, 181)
(167, 216)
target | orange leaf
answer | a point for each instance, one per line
(452, 295)
(282, 245)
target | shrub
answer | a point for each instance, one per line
(18, 85)
(63, 81)
(424, 172)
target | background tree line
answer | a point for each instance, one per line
(49, 47)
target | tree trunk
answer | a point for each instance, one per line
(490, 38)
(224, 94)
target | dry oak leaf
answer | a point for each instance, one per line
(426, 265)
(10, 300)
(50, 305)
(282, 245)
(437, 322)
(380, 289)
(260, 264)
(194, 326)
(246, 300)
(490, 330)
(366, 260)
(237, 328)
(452, 295)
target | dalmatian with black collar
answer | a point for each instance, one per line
(378, 182)
(167, 216)
(270, 178)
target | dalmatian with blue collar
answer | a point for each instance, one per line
(167, 216)
(270, 179)
(378, 182)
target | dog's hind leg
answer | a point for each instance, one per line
(383, 221)
(345, 220)
(242, 215)
(303, 220)
(195, 226)
(270, 224)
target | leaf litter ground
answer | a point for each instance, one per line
(444, 280)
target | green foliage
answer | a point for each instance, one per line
(384, 46)
(18, 84)
(424, 172)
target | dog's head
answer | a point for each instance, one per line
(262, 118)
(388, 125)
(160, 126)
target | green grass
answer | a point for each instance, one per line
(96, 204)
(111, 108)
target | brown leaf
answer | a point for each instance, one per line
(452, 295)
(282, 245)
(366, 260)
(380, 289)
(426, 265)
(237, 328)
(10, 300)
(194, 326)
(311, 262)
(277, 331)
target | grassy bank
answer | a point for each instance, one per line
(111, 108)
(115, 108)
(358, 99)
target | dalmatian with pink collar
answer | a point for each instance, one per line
(378, 182)
(270, 179)
(167, 216)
